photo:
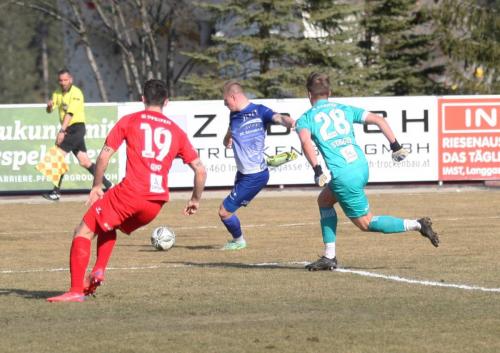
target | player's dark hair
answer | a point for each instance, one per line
(318, 84)
(63, 71)
(155, 93)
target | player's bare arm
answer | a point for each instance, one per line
(50, 106)
(382, 125)
(284, 120)
(228, 140)
(398, 152)
(200, 177)
(310, 154)
(307, 147)
(102, 162)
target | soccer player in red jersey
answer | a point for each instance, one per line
(153, 141)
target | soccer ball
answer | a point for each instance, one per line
(162, 238)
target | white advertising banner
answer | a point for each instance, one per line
(413, 119)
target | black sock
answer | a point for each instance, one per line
(91, 169)
(58, 187)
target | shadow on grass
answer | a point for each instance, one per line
(238, 265)
(199, 247)
(189, 247)
(28, 294)
(149, 248)
(274, 266)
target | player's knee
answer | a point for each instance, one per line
(223, 213)
(325, 198)
(323, 201)
(363, 223)
(363, 226)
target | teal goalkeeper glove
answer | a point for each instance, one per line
(281, 158)
(398, 152)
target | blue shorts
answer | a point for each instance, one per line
(246, 187)
(349, 189)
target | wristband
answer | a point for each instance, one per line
(317, 170)
(395, 146)
(63, 131)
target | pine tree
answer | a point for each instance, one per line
(273, 45)
(469, 35)
(400, 44)
(339, 50)
(21, 72)
(256, 44)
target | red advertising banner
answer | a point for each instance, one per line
(469, 138)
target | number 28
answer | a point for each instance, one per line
(340, 124)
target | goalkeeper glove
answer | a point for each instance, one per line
(319, 177)
(281, 158)
(398, 152)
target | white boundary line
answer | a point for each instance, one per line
(277, 265)
(415, 281)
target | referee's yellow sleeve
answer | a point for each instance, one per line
(75, 106)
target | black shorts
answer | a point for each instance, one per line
(74, 140)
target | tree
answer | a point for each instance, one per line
(398, 41)
(469, 36)
(29, 56)
(143, 34)
(71, 16)
(147, 35)
(273, 45)
(256, 43)
(337, 47)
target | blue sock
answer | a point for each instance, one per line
(233, 226)
(328, 224)
(386, 224)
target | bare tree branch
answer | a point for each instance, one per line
(48, 9)
(88, 50)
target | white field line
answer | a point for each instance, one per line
(302, 224)
(277, 265)
(419, 282)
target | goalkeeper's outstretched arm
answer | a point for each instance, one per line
(398, 152)
(308, 149)
(382, 125)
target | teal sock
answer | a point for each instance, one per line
(386, 224)
(328, 224)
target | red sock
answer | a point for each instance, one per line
(105, 244)
(78, 261)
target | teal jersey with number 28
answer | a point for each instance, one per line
(332, 130)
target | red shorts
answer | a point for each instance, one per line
(121, 209)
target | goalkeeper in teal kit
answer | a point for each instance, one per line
(330, 126)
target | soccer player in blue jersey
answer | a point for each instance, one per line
(246, 136)
(330, 126)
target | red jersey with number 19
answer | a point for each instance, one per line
(153, 141)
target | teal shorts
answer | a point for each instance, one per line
(349, 189)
